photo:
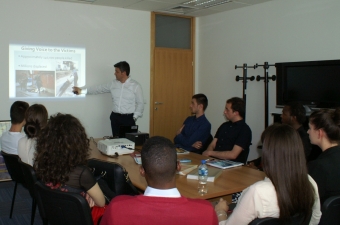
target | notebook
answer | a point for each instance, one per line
(223, 163)
(127, 129)
(213, 173)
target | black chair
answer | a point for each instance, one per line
(30, 180)
(115, 176)
(330, 211)
(60, 207)
(15, 172)
(265, 221)
(295, 220)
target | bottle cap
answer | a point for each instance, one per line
(203, 161)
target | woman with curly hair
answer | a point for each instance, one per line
(36, 119)
(62, 151)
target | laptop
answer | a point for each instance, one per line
(127, 129)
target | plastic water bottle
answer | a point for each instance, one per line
(202, 178)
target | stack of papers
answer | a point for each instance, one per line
(181, 151)
(185, 169)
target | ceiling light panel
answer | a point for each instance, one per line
(205, 3)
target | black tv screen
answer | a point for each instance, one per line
(313, 83)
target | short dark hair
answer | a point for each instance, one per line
(296, 109)
(159, 159)
(201, 99)
(123, 66)
(237, 104)
(17, 111)
(329, 121)
(36, 119)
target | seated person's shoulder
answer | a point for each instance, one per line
(123, 198)
(262, 188)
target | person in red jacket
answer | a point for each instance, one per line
(161, 203)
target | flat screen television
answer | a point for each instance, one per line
(313, 83)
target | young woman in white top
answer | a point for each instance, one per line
(287, 189)
(36, 119)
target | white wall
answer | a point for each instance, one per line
(109, 35)
(275, 31)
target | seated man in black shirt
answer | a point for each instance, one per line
(294, 115)
(233, 138)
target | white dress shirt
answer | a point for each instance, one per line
(126, 97)
(260, 201)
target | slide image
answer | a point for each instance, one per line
(45, 71)
(34, 83)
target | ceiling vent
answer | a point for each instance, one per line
(180, 9)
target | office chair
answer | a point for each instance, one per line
(15, 172)
(330, 211)
(115, 176)
(295, 220)
(30, 179)
(60, 207)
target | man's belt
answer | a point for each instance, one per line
(123, 114)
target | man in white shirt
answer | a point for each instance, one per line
(9, 139)
(127, 97)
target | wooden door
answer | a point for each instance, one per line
(172, 81)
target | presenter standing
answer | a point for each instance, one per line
(127, 97)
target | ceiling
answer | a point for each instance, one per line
(193, 8)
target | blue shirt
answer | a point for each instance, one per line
(195, 129)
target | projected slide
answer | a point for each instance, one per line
(45, 71)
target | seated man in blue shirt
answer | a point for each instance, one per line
(233, 138)
(195, 132)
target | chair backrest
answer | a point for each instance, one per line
(330, 211)
(115, 176)
(297, 219)
(13, 167)
(29, 177)
(265, 221)
(243, 156)
(60, 207)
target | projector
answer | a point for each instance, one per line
(120, 145)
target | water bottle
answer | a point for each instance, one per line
(202, 178)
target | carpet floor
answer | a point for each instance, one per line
(22, 205)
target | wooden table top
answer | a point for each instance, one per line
(230, 181)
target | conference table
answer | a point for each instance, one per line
(230, 181)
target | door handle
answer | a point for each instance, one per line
(158, 103)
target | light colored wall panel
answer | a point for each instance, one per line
(109, 35)
(275, 31)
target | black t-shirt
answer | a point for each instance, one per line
(230, 134)
(325, 170)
